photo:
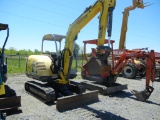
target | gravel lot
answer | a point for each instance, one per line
(117, 106)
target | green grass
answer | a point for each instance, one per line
(18, 67)
(80, 63)
(15, 66)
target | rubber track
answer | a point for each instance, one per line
(41, 91)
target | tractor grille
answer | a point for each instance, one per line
(40, 66)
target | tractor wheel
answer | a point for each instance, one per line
(129, 71)
(142, 71)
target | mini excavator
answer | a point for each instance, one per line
(53, 71)
(8, 98)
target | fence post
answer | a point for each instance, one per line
(19, 60)
(6, 59)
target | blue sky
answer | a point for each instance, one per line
(29, 20)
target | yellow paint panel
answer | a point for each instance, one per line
(2, 89)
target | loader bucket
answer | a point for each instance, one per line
(10, 102)
(73, 101)
(143, 95)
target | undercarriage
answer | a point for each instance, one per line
(64, 96)
(9, 102)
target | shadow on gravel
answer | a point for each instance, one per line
(120, 94)
(136, 78)
(157, 79)
(50, 104)
(104, 115)
(149, 102)
(139, 78)
(12, 111)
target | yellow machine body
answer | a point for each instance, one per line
(38, 67)
(2, 89)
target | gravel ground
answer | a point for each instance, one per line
(118, 106)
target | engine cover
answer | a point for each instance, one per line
(38, 67)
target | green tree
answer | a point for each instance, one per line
(12, 51)
(7, 52)
(76, 48)
(30, 52)
(23, 52)
(46, 52)
(37, 52)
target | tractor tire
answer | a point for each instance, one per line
(130, 71)
(142, 71)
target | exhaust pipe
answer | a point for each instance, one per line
(143, 95)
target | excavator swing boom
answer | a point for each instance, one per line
(150, 70)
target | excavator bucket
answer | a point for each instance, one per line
(94, 66)
(73, 101)
(143, 95)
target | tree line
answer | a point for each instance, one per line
(13, 51)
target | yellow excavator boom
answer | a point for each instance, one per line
(100, 6)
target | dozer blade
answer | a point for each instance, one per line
(143, 95)
(103, 89)
(73, 101)
(10, 102)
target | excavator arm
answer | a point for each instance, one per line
(150, 70)
(3, 68)
(150, 76)
(105, 8)
(136, 4)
